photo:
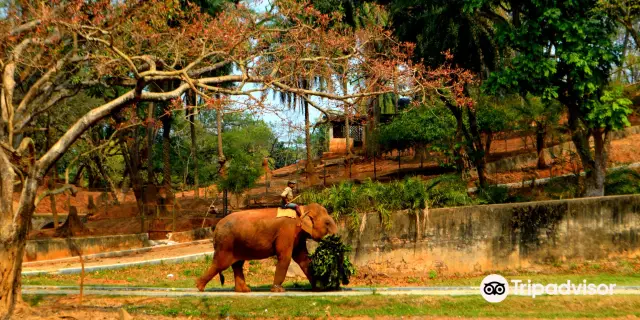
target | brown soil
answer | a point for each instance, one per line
(95, 308)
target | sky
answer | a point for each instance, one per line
(297, 117)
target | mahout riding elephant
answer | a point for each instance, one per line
(259, 234)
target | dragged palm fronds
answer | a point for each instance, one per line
(330, 265)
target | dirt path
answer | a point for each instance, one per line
(168, 252)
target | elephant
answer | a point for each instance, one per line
(259, 234)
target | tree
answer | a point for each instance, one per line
(566, 52)
(59, 48)
(626, 13)
(470, 40)
(416, 128)
(247, 142)
(541, 118)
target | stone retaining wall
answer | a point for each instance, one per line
(498, 237)
(531, 159)
(191, 235)
(61, 248)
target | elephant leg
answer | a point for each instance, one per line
(281, 271)
(221, 262)
(302, 259)
(238, 274)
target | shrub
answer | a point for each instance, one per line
(495, 194)
(349, 200)
(623, 181)
(448, 191)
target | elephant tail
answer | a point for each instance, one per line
(221, 279)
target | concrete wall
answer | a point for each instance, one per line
(339, 145)
(61, 248)
(497, 237)
(191, 235)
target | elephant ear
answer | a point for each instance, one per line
(307, 223)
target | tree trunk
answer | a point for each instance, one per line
(51, 183)
(593, 165)
(347, 129)
(117, 194)
(222, 160)
(595, 181)
(166, 147)
(194, 145)
(13, 236)
(132, 163)
(150, 136)
(78, 174)
(476, 150)
(625, 44)
(457, 152)
(541, 134)
(307, 140)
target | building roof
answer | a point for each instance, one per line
(340, 118)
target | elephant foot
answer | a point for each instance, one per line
(244, 288)
(277, 288)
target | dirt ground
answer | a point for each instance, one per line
(92, 308)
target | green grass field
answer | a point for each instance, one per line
(260, 274)
(373, 306)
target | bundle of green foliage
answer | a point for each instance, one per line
(330, 265)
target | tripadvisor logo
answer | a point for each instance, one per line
(495, 288)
